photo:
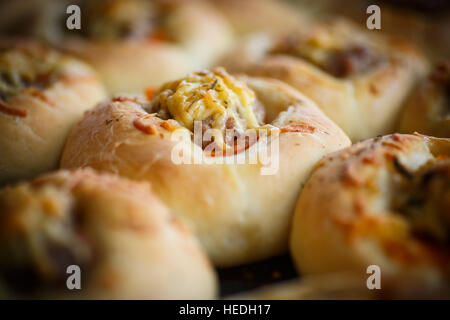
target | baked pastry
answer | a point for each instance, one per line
(255, 16)
(246, 146)
(124, 240)
(428, 108)
(348, 286)
(358, 79)
(383, 201)
(18, 17)
(137, 43)
(428, 28)
(42, 95)
(339, 286)
(438, 39)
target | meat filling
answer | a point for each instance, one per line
(352, 61)
(342, 60)
(218, 101)
(425, 201)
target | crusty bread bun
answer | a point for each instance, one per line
(124, 240)
(254, 16)
(360, 80)
(241, 209)
(428, 108)
(137, 43)
(383, 201)
(42, 95)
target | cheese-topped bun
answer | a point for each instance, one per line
(428, 109)
(360, 80)
(137, 43)
(42, 95)
(227, 155)
(115, 235)
(384, 202)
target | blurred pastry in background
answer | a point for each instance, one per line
(360, 80)
(240, 196)
(124, 241)
(256, 16)
(427, 110)
(426, 23)
(339, 286)
(18, 18)
(137, 43)
(385, 202)
(348, 286)
(438, 36)
(42, 95)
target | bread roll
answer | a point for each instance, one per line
(42, 95)
(124, 240)
(428, 108)
(360, 80)
(384, 202)
(239, 194)
(138, 43)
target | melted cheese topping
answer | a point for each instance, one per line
(213, 97)
(336, 48)
(22, 68)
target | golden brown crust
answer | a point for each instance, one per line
(42, 95)
(123, 238)
(427, 110)
(238, 214)
(387, 204)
